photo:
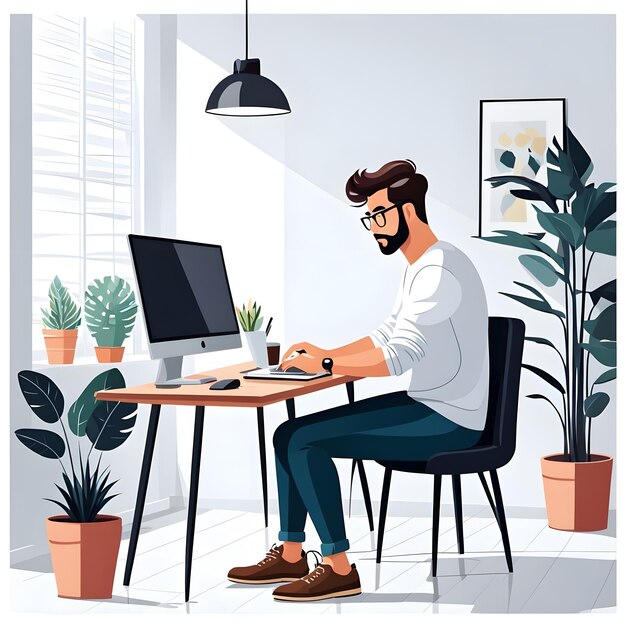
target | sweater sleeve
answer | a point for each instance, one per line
(432, 298)
(384, 332)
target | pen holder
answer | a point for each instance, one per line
(257, 343)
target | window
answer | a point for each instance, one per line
(86, 145)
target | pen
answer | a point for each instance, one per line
(269, 325)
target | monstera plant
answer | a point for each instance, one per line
(110, 310)
(84, 543)
(575, 217)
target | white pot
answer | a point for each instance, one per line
(257, 343)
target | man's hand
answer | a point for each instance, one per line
(305, 361)
(309, 348)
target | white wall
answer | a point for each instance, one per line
(366, 89)
(231, 193)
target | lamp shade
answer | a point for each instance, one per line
(245, 93)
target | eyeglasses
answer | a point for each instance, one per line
(378, 216)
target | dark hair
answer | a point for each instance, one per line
(401, 180)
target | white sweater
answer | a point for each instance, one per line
(439, 329)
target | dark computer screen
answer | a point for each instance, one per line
(184, 288)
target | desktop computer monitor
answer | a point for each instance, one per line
(186, 302)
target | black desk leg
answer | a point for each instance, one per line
(291, 409)
(261, 427)
(141, 491)
(362, 475)
(193, 495)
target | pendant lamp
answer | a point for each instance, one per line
(245, 93)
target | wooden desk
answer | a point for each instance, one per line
(251, 393)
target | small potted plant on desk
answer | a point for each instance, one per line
(251, 319)
(110, 310)
(576, 482)
(60, 324)
(84, 544)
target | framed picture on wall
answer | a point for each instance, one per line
(514, 138)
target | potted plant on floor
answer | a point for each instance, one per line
(110, 310)
(576, 482)
(84, 544)
(60, 324)
(251, 319)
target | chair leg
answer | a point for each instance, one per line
(458, 511)
(382, 516)
(351, 482)
(483, 482)
(436, 509)
(502, 517)
(366, 494)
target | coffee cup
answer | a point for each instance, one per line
(273, 352)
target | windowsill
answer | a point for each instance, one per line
(91, 361)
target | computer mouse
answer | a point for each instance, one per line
(226, 383)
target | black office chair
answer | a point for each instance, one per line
(494, 450)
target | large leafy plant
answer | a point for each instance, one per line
(579, 229)
(250, 317)
(110, 310)
(64, 313)
(106, 425)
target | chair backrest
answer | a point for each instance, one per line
(506, 344)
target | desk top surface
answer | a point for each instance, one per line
(250, 393)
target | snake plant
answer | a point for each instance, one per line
(106, 425)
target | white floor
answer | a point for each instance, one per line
(554, 571)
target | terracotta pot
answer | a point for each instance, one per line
(60, 345)
(577, 494)
(109, 355)
(84, 555)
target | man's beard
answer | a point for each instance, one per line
(395, 241)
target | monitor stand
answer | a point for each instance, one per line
(169, 374)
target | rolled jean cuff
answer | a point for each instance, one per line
(296, 537)
(335, 548)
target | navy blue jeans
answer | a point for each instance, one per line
(391, 427)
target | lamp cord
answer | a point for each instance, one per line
(246, 30)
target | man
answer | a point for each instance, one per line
(437, 329)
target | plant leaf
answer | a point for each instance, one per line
(528, 241)
(44, 442)
(582, 204)
(562, 225)
(63, 506)
(541, 269)
(606, 291)
(602, 239)
(604, 206)
(604, 325)
(538, 396)
(602, 351)
(42, 395)
(538, 305)
(532, 185)
(111, 424)
(583, 166)
(596, 403)
(545, 376)
(607, 376)
(543, 341)
(81, 410)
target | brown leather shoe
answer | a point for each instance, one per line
(320, 584)
(272, 569)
